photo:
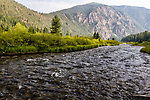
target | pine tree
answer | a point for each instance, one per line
(37, 29)
(67, 34)
(97, 35)
(31, 29)
(2, 26)
(113, 38)
(41, 30)
(70, 35)
(56, 25)
(45, 30)
(22, 23)
(94, 35)
(1, 29)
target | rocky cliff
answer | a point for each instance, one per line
(79, 20)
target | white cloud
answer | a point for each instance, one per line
(45, 6)
(54, 5)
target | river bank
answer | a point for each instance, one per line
(25, 50)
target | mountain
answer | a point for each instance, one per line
(88, 18)
(140, 14)
(79, 20)
(11, 11)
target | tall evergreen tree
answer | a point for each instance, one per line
(113, 38)
(67, 34)
(70, 35)
(94, 35)
(2, 26)
(97, 35)
(56, 25)
(31, 29)
(37, 29)
(45, 30)
(1, 29)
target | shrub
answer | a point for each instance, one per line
(20, 49)
(146, 49)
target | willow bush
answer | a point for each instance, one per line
(18, 39)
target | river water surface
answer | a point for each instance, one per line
(104, 73)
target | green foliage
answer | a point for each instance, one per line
(56, 25)
(20, 29)
(20, 49)
(141, 39)
(67, 34)
(96, 35)
(31, 29)
(144, 36)
(45, 30)
(37, 29)
(17, 36)
(146, 49)
(19, 39)
(109, 43)
(72, 48)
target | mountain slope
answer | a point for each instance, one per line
(96, 17)
(12, 11)
(79, 20)
(140, 14)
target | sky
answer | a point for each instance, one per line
(47, 6)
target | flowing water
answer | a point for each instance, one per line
(104, 73)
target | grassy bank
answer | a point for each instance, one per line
(19, 50)
(146, 49)
(19, 41)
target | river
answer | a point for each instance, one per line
(104, 73)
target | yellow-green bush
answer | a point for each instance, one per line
(71, 48)
(146, 49)
(18, 39)
(20, 49)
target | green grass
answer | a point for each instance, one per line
(146, 49)
(20, 49)
(71, 48)
(62, 49)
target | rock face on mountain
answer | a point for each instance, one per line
(139, 14)
(106, 20)
(79, 20)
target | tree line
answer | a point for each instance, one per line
(54, 29)
(144, 36)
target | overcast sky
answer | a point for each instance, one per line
(47, 6)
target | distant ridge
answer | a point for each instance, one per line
(109, 21)
(140, 14)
